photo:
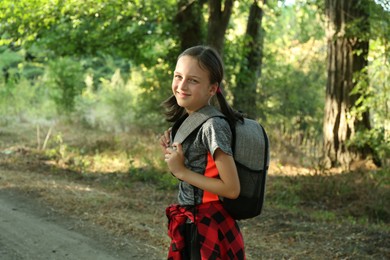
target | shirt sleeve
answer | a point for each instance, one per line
(217, 134)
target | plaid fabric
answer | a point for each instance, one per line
(218, 233)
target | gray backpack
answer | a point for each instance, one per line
(251, 155)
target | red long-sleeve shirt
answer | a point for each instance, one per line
(219, 235)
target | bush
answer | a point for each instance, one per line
(65, 78)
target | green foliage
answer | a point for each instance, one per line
(20, 97)
(21, 91)
(9, 60)
(373, 92)
(111, 106)
(377, 140)
(156, 87)
(291, 91)
(291, 88)
(65, 77)
(121, 28)
(302, 21)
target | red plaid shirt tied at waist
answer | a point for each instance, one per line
(218, 233)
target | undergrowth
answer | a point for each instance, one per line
(357, 196)
(119, 160)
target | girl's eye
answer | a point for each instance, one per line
(178, 77)
(194, 81)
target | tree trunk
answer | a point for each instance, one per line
(189, 21)
(218, 22)
(245, 92)
(347, 57)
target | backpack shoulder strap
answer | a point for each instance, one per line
(193, 122)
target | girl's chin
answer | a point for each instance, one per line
(181, 102)
(184, 104)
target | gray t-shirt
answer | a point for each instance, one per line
(214, 133)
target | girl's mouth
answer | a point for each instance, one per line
(181, 94)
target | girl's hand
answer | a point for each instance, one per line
(165, 140)
(175, 159)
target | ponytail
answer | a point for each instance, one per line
(231, 114)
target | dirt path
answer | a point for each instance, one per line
(30, 230)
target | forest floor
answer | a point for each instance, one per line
(130, 223)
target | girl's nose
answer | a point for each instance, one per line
(182, 84)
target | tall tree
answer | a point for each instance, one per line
(245, 92)
(347, 31)
(189, 20)
(218, 21)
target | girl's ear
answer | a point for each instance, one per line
(213, 88)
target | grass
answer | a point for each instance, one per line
(360, 196)
(118, 160)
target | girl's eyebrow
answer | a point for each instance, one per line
(191, 76)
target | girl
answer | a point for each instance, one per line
(199, 226)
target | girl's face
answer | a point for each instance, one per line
(191, 85)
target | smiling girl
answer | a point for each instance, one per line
(199, 226)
